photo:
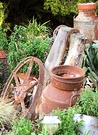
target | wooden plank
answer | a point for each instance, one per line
(76, 50)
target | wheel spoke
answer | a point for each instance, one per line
(28, 71)
(16, 79)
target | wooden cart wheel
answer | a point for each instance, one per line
(20, 90)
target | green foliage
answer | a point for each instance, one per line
(39, 30)
(90, 63)
(1, 13)
(67, 123)
(63, 7)
(97, 7)
(3, 41)
(88, 103)
(21, 127)
(30, 40)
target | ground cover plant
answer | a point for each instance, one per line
(21, 127)
(88, 103)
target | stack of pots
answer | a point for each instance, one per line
(65, 87)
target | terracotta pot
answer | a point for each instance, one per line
(2, 54)
(67, 77)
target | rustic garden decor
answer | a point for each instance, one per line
(87, 21)
(19, 91)
(68, 49)
(65, 87)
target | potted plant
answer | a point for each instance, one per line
(86, 110)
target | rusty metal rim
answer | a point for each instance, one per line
(67, 82)
(70, 78)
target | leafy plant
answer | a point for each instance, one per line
(91, 62)
(30, 40)
(67, 123)
(64, 7)
(87, 103)
(3, 40)
(1, 13)
(21, 127)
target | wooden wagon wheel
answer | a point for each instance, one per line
(21, 90)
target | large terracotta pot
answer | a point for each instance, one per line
(65, 87)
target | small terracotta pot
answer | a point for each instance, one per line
(2, 54)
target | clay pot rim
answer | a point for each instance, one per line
(2, 54)
(86, 6)
(70, 78)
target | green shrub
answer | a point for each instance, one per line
(21, 127)
(30, 40)
(64, 7)
(88, 103)
(3, 41)
(67, 123)
(90, 62)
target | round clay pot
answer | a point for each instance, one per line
(67, 77)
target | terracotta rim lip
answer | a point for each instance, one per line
(2, 54)
(86, 6)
